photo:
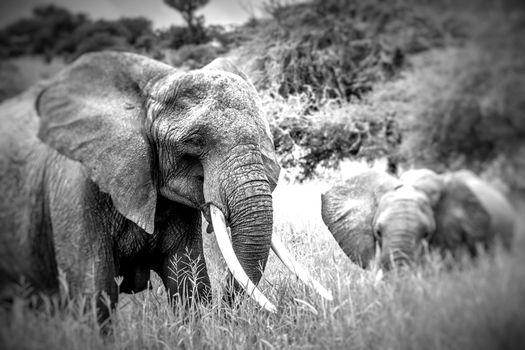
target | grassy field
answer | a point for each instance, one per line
(471, 306)
(441, 97)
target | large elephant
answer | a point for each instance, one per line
(452, 211)
(107, 167)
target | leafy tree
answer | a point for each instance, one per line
(137, 27)
(99, 35)
(195, 23)
(175, 37)
(40, 33)
(220, 34)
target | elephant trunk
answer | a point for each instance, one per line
(251, 221)
(398, 246)
(243, 197)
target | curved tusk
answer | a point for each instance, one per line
(297, 269)
(223, 240)
(377, 258)
(377, 270)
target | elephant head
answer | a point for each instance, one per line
(449, 211)
(144, 130)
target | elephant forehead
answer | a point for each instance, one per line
(406, 199)
(425, 180)
(224, 87)
(220, 82)
(415, 175)
(405, 192)
(208, 89)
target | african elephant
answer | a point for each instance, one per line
(452, 211)
(107, 167)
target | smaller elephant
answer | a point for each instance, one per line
(451, 212)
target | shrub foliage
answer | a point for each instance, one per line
(339, 49)
(434, 83)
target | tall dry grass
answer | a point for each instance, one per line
(474, 305)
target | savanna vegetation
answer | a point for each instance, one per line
(344, 84)
(473, 305)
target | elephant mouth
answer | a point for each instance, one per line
(386, 260)
(395, 259)
(223, 240)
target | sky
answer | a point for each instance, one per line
(215, 12)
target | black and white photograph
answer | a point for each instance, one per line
(262, 174)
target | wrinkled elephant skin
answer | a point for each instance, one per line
(107, 167)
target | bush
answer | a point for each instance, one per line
(175, 37)
(457, 101)
(327, 136)
(54, 31)
(39, 34)
(194, 56)
(472, 107)
(340, 49)
(463, 106)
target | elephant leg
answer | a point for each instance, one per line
(105, 285)
(184, 273)
(135, 277)
(83, 220)
(185, 276)
(102, 265)
(181, 264)
(101, 223)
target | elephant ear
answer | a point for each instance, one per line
(471, 212)
(271, 165)
(93, 112)
(348, 210)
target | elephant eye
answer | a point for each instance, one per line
(194, 139)
(194, 144)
